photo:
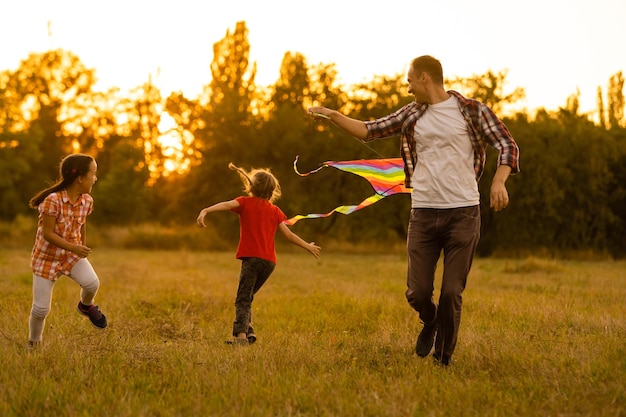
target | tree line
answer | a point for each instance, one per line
(163, 159)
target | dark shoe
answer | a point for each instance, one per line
(426, 339)
(251, 335)
(32, 345)
(95, 316)
(441, 360)
(238, 341)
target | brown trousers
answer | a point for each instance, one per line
(455, 232)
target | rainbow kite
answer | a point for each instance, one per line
(386, 177)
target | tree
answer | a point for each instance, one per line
(572, 104)
(616, 100)
(145, 118)
(617, 194)
(489, 89)
(36, 102)
(121, 194)
(559, 199)
(44, 90)
(19, 155)
(220, 121)
(287, 130)
(601, 111)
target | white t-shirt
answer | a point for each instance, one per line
(444, 176)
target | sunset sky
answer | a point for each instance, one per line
(550, 47)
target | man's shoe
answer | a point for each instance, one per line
(93, 312)
(426, 339)
(32, 345)
(441, 359)
(238, 341)
(251, 335)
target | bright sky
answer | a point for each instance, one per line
(550, 47)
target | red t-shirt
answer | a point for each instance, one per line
(258, 221)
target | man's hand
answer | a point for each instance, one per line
(499, 196)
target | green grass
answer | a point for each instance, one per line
(538, 338)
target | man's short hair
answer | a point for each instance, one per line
(429, 65)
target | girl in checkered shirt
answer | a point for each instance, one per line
(60, 246)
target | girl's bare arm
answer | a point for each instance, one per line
(297, 240)
(223, 206)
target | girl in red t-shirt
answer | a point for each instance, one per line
(258, 220)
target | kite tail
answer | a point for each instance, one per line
(341, 209)
(295, 168)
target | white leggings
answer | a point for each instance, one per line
(82, 273)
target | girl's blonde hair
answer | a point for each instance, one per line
(259, 183)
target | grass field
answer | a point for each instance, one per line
(336, 337)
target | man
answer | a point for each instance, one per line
(444, 136)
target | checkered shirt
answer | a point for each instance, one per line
(50, 261)
(484, 128)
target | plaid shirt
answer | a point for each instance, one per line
(484, 128)
(50, 261)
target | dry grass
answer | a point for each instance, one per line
(538, 338)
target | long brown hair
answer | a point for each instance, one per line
(70, 168)
(259, 183)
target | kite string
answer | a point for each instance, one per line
(353, 137)
(368, 147)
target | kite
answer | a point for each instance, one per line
(386, 176)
